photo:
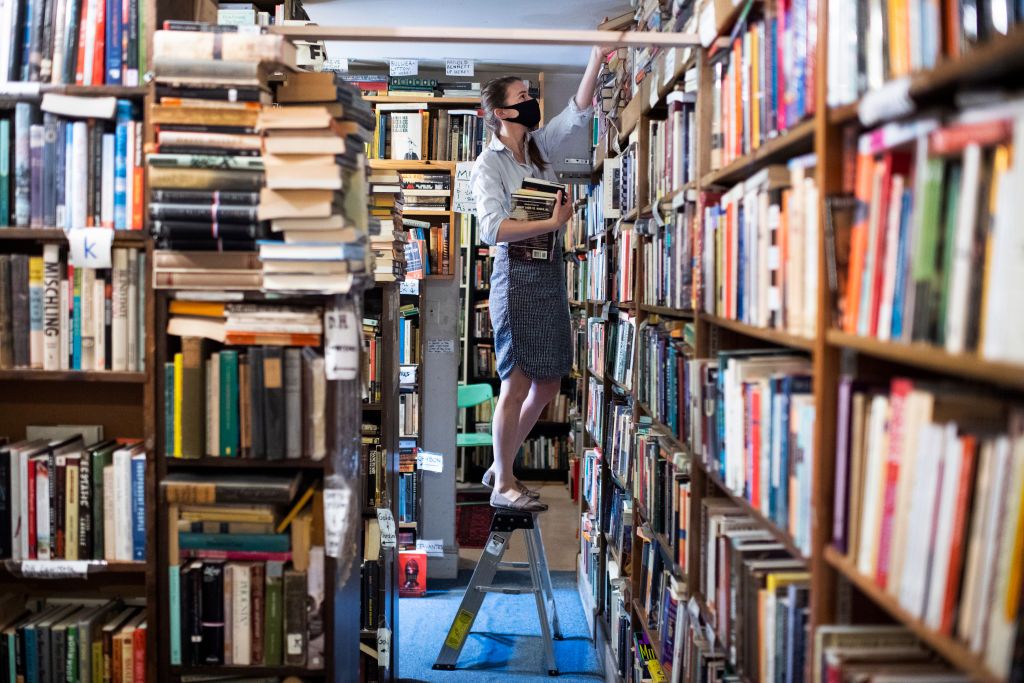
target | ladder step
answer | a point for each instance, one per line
(513, 565)
(507, 591)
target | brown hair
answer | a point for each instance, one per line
(493, 97)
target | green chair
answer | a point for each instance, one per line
(470, 396)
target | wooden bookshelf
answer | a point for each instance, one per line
(122, 238)
(797, 140)
(767, 334)
(30, 375)
(429, 101)
(428, 166)
(245, 464)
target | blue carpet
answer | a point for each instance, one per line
(505, 642)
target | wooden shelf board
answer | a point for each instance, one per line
(780, 535)
(950, 648)
(118, 91)
(376, 407)
(122, 238)
(773, 336)
(847, 113)
(244, 463)
(31, 375)
(929, 357)
(997, 57)
(419, 99)
(619, 384)
(261, 671)
(666, 311)
(411, 165)
(11, 570)
(425, 212)
(794, 141)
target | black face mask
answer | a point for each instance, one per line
(529, 113)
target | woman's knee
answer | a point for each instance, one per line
(546, 390)
(516, 388)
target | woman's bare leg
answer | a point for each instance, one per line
(505, 430)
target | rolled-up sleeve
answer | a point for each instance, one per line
(492, 199)
(554, 134)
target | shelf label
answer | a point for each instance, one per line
(440, 346)
(409, 287)
(19, 88)
(407, 375)
(342, 344)
(337, 503)
(403, 67)
(56, 569)
(90, 247)
(386, 519)
(464, 201)
(670, 66)
(432, 547)
(454, 66)
(337, 64)
(429, 461)
(383, 646)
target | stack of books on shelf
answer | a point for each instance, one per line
(72, 501)
(928, 499)
(250, 14)
(210, 271)
(411, 85)
(669, 257)
(664, 373)
(205, 168)
(77, 162)
(262, 402)
(760, 250)
(760, 91)
(427, 248)
(932, 256)
(74, 639)
(246, 567)
(54, 316)
(77, 43)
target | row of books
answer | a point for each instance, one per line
(620, 440)
(411, 86)
(72, 501)
(663, 372)
(764, 83)
(409, 414)
(597, 270)
(73, 639)
(249, 14)
(54, 316)
(428, 250)
(481, 324)
(409, 334)
(673, 146)
(759, 247)
(621, 177)
(261, 402)
(930, 481)
(932, 252)
(372, 360)
(669, 257)
(408, 488)
(483, 266)
(68, 172)
(595, 409)
(577, 276)
(544, 453)
(621, 518)
(373, 466)
(74, 43)
(596, 345)
(484, 362)
(626, 244)
(661, 485)
(415, 132)
(620, 343)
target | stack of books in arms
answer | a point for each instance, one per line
(534, 201)
(934, 251)
(77, 163)
(205, 167)
(72, 501)
(311, 156)
(73, 639)
(54, 316)
(760, 250)
(265, 400)
(75, 43)
(246, 568)
(930, 480)
(759, 89)
(414, 132)
(663, 372)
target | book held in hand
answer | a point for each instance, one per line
(535, 201)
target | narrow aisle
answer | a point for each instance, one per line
(505, 643)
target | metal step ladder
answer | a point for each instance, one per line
(503, 526)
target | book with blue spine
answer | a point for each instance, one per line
(5, 171)
(138, 465)
(267, 543)
(76, 320)
(115, 34)
(124, 116)
(174, 600)
(60, 174)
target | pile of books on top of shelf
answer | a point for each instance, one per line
(388, 242)
(315, 192)
(205, 168)
(381, 85)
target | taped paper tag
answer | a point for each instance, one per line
(432, 547)
(341, 345)
(409, 286)
(454, 66)
(407, 375)
(383, 646)
(653, 81)
(670, 66)
(706, 28)
(386, 520)
(403, 67)
(430, 462)
(339, 64)
(463, 201)
(440, 346)
(19, 88)
(337, 502)
(495, 545)
(56, 569)
(90, 247)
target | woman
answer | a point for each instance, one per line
(529, 306)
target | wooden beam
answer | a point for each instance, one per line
(522, 36)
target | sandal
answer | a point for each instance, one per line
(488, 481)
(521, 504)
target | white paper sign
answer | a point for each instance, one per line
(464, 201)
(403, 67)
(409, 287)
(341, 345)
(670, 66)
(706, 28)
(339, 64)
(407, 375)
(454, 66)
(431, 462)
(653, 81)
(440, 346)
(433, 548)
(383, 646)
(19, 88)
(386, 519)
(90, 247)
(337, 502)
(495, 545)
(56, 569)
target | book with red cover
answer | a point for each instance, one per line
(412, 574)
(901, 389)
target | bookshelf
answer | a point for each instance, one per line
(830, 352)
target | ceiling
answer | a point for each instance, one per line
(567, 14)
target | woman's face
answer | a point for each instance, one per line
(514, 94)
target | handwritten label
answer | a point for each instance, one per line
(403, 67)
(386, 519)
(90, 247)
(341, 346)
(432, 547)
(440, 346)
(337, 502)
(464, 200)
(407, 374)
(454, 66)
(409, 287)
(383, 646)
(429, 461)
(56, 569)
(338, 64)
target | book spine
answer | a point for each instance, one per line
(273, 626)
(138, 507)
(7, 511)
(113, 39)
(229, 418)
(36, 317)
(85, 508)
(49, 163)
(293, 402)
(51, 307)
(294, 605)
(36, 175)
(174, 600)
(71, 510)
(212, 619)
(120, 173)
(138, 176)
